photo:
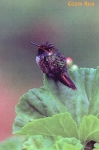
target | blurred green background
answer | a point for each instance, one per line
(74, 31)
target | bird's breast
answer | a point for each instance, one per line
(38, 60)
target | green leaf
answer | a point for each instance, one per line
(96, 146)
(57, 125)
(55, 98)
(14, 143)
(85, 99)
(38, 142)
(37, 103)
(89, 129)
(68, 144)
(48, 143)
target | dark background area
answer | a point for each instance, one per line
(74, 31)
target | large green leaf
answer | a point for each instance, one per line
(57, 125)
(85, 99)
(56, 110)
(63, 125)
(37, 103)
(55, 98)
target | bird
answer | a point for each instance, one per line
(52, 62)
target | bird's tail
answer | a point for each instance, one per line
(64, 78)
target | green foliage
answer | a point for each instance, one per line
(68, 144)
(54, 97)
(89, 129)
(55, 117)
(66, 126)
(37, 142)
(43, 143)
(12, 144)
(96, 146)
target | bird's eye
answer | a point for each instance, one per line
(43, 48)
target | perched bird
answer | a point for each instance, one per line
(52, 62)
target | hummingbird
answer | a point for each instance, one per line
(52, 62)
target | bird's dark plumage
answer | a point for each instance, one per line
(51, 61)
